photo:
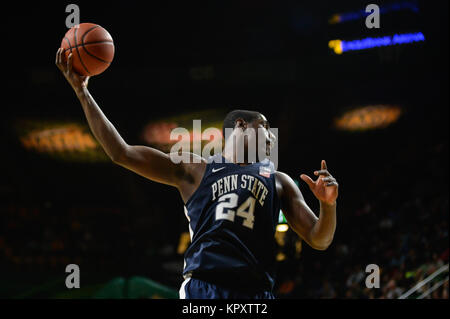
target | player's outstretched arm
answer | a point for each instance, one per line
(146, 161)
(317, 232)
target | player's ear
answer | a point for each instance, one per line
(240, 123)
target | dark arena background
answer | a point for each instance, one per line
(372, 102)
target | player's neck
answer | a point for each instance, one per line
(232, 157)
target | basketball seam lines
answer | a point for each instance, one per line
(82, 43)
(89, 43)
(101, 60)
(68, 41)
(75, 37)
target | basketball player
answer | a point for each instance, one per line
(232, 208)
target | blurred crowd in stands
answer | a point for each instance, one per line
(48, 236)
(403, 230)
(406, 253)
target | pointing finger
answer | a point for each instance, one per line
(324, 165)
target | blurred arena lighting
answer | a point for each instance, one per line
(368, 118)
(282, 223)
(280, 238)
(157, 133)
(341, 46)
(280, 256)
(282, 228)
(69, 141)
(361, 14)
(185, 240)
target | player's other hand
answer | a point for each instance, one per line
(77, 82)
(325, 188)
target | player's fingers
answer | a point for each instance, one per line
(307, 180)
(63, 56)
(324, 165)
(62, 63)
(333, 184)
(85, 80)
(322, 172)
(57, 57)
(69, 62)
(328, 179)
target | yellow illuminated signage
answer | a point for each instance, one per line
(369, 117)
(63, 140)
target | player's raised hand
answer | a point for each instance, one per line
(325, 188)
(77, 82)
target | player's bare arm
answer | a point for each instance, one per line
(145, 161)
(317, 232)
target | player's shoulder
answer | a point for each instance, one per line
(281, 176)
(186, 158)
(197, 158)
(284, 183)
(191, 166)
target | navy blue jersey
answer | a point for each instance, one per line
(232, 219)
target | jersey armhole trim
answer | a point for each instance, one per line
(205, 173)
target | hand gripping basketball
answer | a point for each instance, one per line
(92, 48)
(78, 82)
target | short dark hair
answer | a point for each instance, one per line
(231, 117)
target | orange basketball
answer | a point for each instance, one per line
(92, 48)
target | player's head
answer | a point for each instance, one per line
(248, 127)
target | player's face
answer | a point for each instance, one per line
(262, 126)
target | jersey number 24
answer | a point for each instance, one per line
(226, 209)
